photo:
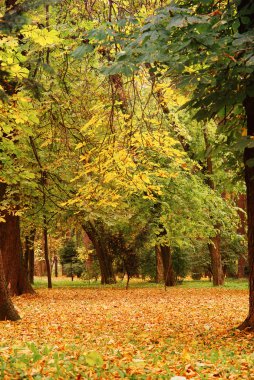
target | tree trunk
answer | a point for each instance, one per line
(249, 180)
(245, 7)
(10, 247)
(29, 255)
(242, 267)
(214, 246)
(216, 264)
(102, 251)
(7, 310)
(159, 265)
(56, 265)
(165, 254)
(242, 262)
(46, 252)
(105, 261)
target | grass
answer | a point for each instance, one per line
(65, 282)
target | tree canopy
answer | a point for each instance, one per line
(127, 118)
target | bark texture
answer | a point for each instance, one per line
(29, 255)
(242, 261)
(97, 235)
(7, 310)
(46, 252)
(10, 245)
(246, 8)
(249, 180)
(165, 254)
(216, 264)
(159, 265)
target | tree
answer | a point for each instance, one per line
(220, 81)
(10, 243)
(101, 239)
(29, 254)
(7, 310)
(11, 254)
(69, 258)
(165, 254)
(104, 157)
(242, 260)
(124, 148)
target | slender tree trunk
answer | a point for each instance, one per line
(56, 265)
(29, 255)
(31, 266)
(102, 251)
(159, 265)
(242, 262)
(7, 310)
(214, 246)
(216, 264)
(46, 252)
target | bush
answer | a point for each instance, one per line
(181, 262)
(72, 265)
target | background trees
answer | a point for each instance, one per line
(93, 135)
(221, 80)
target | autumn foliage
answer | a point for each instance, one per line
(137, 334)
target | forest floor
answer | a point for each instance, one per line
(141, 333)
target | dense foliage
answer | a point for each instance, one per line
(109, 119)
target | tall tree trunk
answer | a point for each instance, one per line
(214, 246)
(104, 256)
(249, 180)
(10, 247)
(56, 265)
(7, 310)
(216, 264)
(46, 251)
(246, 8)
(105, 262)
(29, 254)
(242, 261)
(165, 254)
(159, 265)
(242, 267)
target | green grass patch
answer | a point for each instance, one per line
(65, 282)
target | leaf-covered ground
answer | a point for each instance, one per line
(136, 334)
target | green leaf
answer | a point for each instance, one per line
(250, 61)
(93, 358)
(80, 51)
(49, 69)
(178, 22)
